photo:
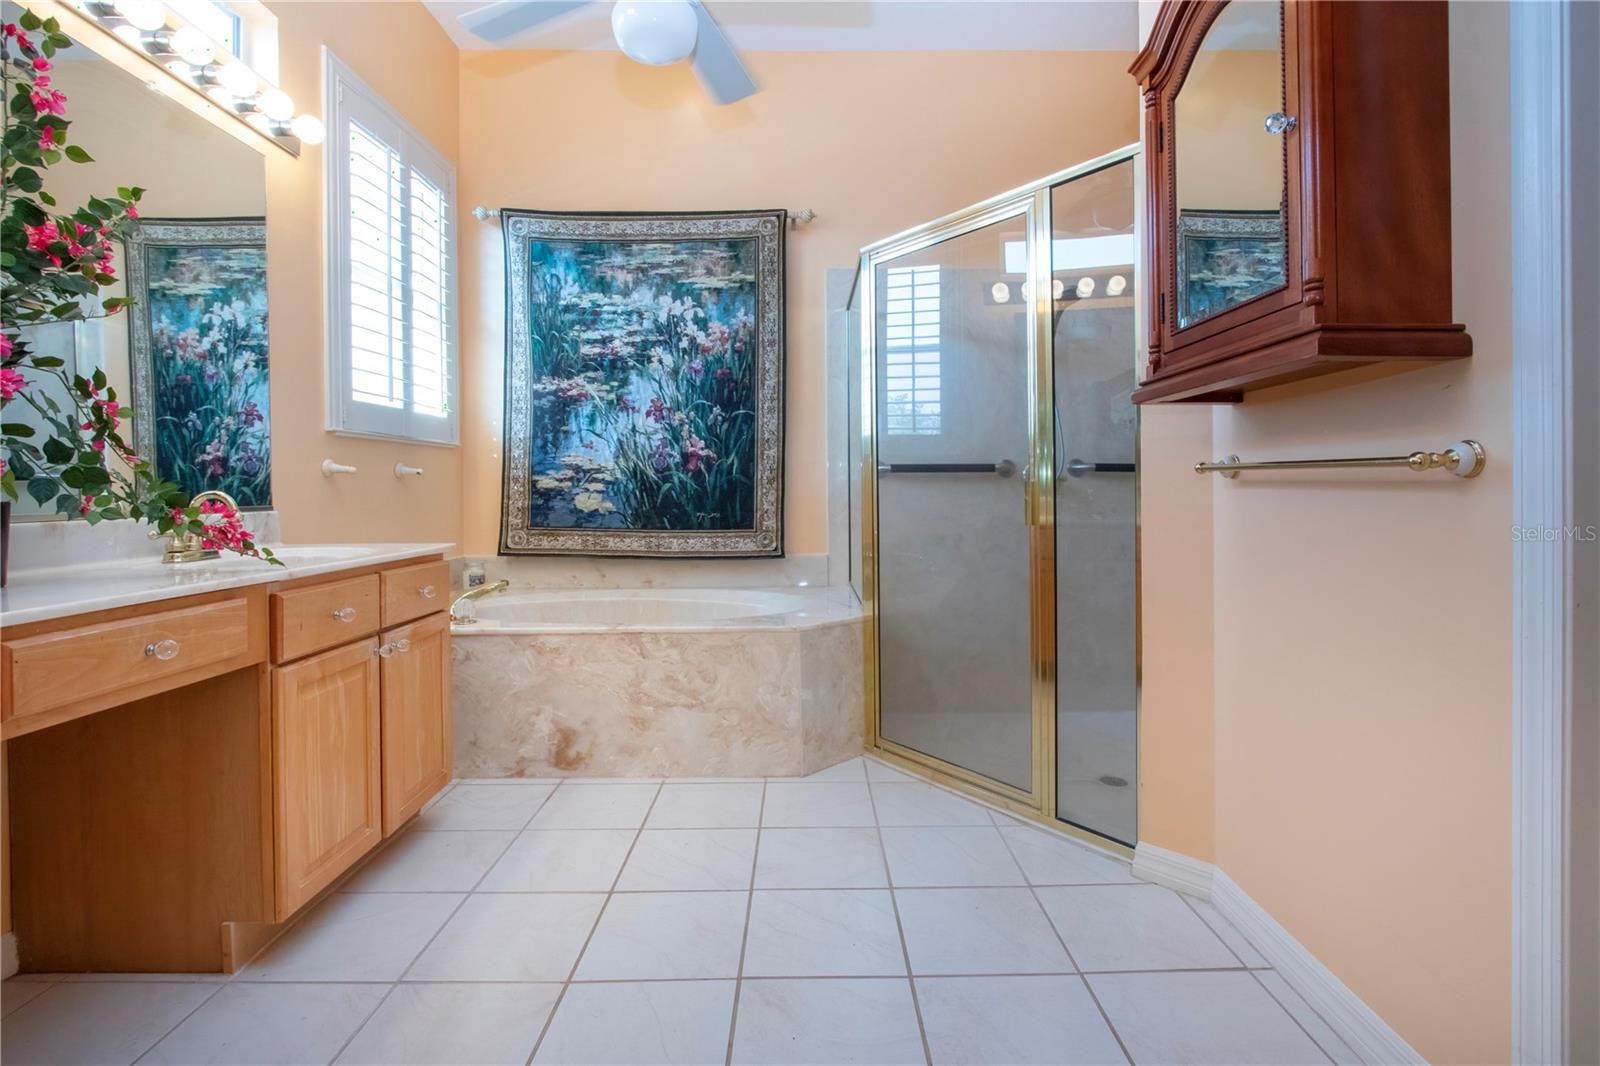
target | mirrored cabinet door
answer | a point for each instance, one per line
(1231, 185)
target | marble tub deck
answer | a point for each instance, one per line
(775, 696)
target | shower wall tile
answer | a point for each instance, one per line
(702, 704)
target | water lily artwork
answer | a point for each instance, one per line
(644, 384)
(199, 354)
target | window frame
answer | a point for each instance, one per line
(345, 98)
(912, 367)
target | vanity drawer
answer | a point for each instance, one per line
(83, 666)
(413, 591)
(323, 616)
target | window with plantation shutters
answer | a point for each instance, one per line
(391, 271)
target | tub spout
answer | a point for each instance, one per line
(457, 618)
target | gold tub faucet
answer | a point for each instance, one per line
(474, 594)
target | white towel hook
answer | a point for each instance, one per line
(402, 470)
(330, 468)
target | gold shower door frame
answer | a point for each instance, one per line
(1032, 202)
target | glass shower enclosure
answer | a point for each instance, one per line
(994, 496)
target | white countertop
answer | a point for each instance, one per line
(35, 595)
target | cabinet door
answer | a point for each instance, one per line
(416, 717)
(326, 768)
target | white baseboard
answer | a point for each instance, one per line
(1357, 1024)
(1174, 870)
(8, 955)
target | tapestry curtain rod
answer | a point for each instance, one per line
(483, 214)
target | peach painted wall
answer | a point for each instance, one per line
(874, 142)
(1361, 641)
(401, 51)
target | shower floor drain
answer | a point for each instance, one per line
(1114, 781)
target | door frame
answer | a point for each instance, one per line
(1031, 201)
(1549, 477)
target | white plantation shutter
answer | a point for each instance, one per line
(391, 272)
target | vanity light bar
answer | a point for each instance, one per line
(188, 57)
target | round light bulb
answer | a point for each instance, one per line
(1117, 285)
(144, 14)
(1058, 288)
(1085, 288)
(656, 32)
(308, 128)
(193, 46)
(1000, 291)
(1026, 288)
(276, 105)
(130, 35)
(260, 122)
(220, 96)
(237, 78)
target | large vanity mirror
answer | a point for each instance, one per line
(189, 356)
(1228, 120)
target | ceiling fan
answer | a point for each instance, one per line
(656, 32)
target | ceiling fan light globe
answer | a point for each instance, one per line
(656, 32)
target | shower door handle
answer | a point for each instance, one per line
(1080, 467)
(1003, 468)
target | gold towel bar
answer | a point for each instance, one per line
(1463, 459)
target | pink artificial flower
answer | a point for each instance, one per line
(5, 345)
(47, 138)
(55, 260)
(132, 212)
(50, 101)
(86, 505)
(11, 383)
(98, 445)
(41, 237)
(75, 249)
(80, 229)
(42, 81)
(41, 64)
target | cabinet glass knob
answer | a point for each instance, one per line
(345, 614)
(403, 644)
(1278, 122)
(162, 649)
(427, 592)
(384, 650)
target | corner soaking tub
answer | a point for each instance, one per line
(658, 683)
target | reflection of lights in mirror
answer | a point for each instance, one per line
(1104, 284)
(1116, 285)
(1001, 292)
(1085, 288)
(207, 63)
(1058, 288)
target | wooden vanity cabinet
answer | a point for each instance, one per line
(242, 752)
(415, 683)
(327, 775)
(1297, 162)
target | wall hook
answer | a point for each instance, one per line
(402, 470)
(330, 468)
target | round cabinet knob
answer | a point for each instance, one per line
(1278, 122)
(385, 650)
(162, 649)
(427, 592)
(403, 644)
(345, 614)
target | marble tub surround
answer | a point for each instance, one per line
(592, 572)
(37, 594)
(737, 699)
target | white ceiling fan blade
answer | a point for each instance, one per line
(497, 21)
(717, 63)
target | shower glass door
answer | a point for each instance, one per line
(997, 487)
(954, 346)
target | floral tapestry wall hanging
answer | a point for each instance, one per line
(199, 353)
(644, 384)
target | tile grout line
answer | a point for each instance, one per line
(566, 985)
(744, 941)
(395, 984)
(1281, 1006)
(894, 903)
(1051, 922)
(157, 1042)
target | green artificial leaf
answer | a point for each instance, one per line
(47, 198)
(16, 429)
(78, 155)
(42, 489)
(58, 451)
(27, 179)
(66, 503)
(29, 21)
(47, 362)
(21, 465)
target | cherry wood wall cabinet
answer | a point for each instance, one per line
(243, 750)
(1298, 179)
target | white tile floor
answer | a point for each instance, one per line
(856, 916)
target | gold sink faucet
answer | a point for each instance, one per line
(474, 594)
(186, 547)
